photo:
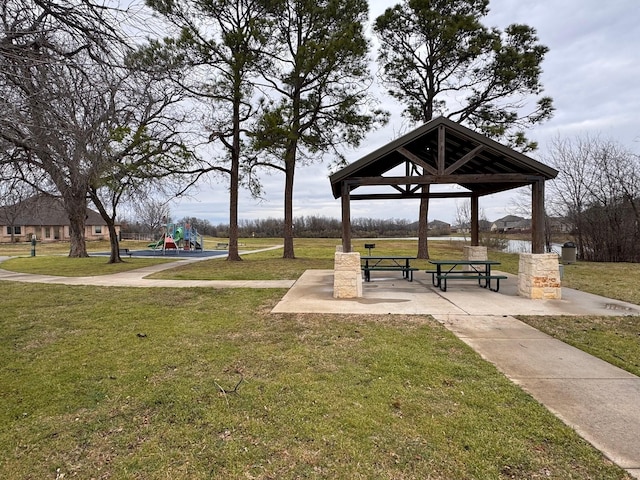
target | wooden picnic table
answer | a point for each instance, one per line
(387, 263)
(479, 270)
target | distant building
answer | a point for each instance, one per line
(45, 217)
(483, 226)
(511, 223)
(439, 227)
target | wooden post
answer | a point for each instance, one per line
(441, 149)
(346, 218)
(537, 216)
(475, 222)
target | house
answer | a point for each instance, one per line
(45, 217)
(438, 227)
(511, 223)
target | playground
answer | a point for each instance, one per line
(178, 237)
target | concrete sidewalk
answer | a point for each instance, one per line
(600, 401)
(137, 278)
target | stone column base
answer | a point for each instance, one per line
(347, 276)
(539, 276)
(475, 252)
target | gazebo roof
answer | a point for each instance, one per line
(441, 152)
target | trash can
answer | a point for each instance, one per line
(569, 252)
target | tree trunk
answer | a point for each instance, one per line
(114, 242)
(76, 208)
(423, 247)
(234, 182)
(290, 167)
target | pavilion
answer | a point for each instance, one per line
(443, 152)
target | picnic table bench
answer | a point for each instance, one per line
(125, 251)
(389, 263)
(479, 270)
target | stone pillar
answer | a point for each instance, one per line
(475, 253)
(539, 276)
(347, 276)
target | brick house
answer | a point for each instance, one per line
(45, 218)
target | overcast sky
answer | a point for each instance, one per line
(592, 72)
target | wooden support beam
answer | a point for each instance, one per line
(346, 217)
(417, 160)
(459, 179)
(475, 221)
(441, 149)
(469, 156)
(401, 196)
(537, 217)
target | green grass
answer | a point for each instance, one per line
(310, 254)
(139, 383)
(76, 267)
(613, 280)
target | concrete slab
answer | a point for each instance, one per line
(313, 293)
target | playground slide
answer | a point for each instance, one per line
(178, 234)
(157, 244)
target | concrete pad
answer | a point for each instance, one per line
(313, 293)
(634, 472)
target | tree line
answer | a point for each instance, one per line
(598, 191)
(304, 227)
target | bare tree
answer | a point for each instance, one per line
(463, 215)
(45, 47)
(152, 214)
(598, 189)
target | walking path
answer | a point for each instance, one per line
(598, 400)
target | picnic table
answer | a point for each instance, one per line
(478, 270)
(387, 263)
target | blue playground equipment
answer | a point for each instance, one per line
(179, 237)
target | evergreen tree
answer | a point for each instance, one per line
(438, 58)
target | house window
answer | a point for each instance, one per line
(98, 229)
(47, 232)
(15, 230)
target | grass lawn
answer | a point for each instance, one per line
(104, 383)
(76, 267)
(144, 383)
